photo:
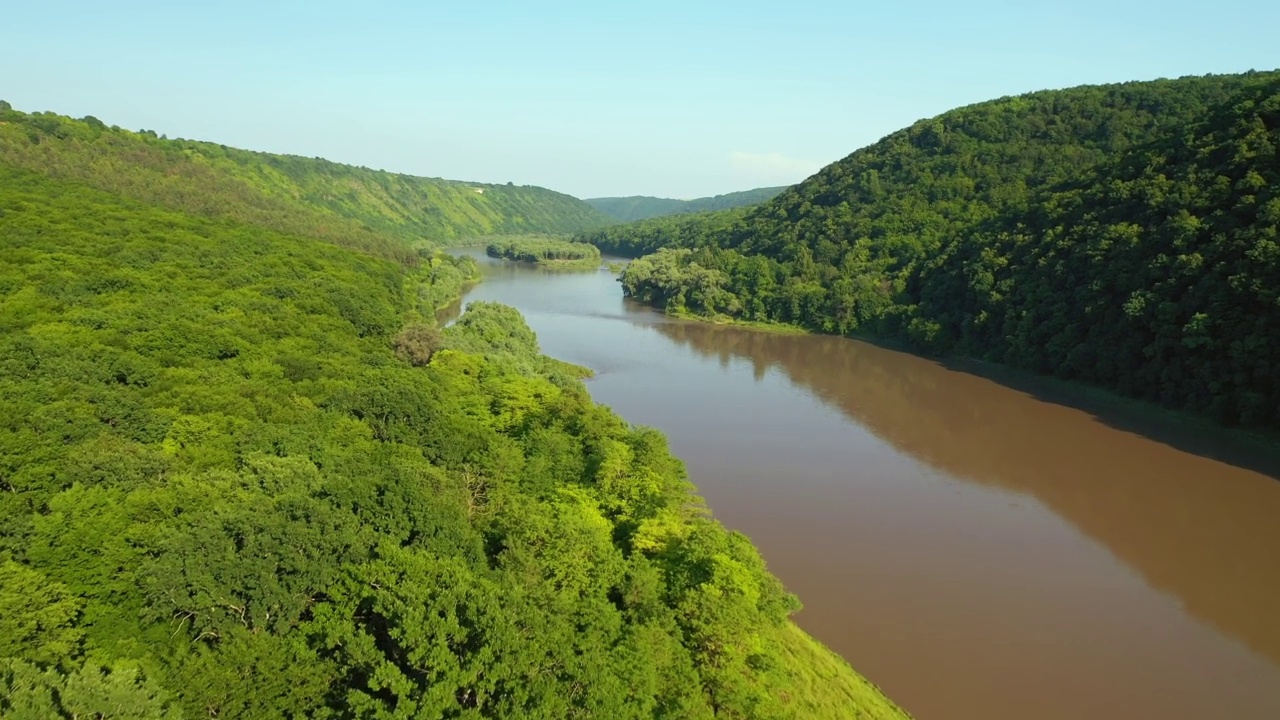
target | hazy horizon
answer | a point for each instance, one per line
(664, 100)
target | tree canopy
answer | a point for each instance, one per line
(311, 197)
(1123, 235)
(242, 474)
(546, 251)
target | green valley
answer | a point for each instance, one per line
(639, 361)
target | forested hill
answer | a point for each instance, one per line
(1123, 235)
(640, 207)
(243, 475)
(308, 196)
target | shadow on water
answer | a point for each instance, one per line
(1196, 520)
(1189, 508)
(1256, 451)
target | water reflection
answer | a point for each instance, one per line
(978, 552)
(1199, 528)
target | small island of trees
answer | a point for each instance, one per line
(545, 250)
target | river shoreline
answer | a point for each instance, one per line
(821, 664)
(981, 550)
(1128, 412)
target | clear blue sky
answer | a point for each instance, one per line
(677, 99)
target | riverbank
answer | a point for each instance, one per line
(1185, 430)
(828, 686)
(975, 552)
(549, 252)
(1254, 448)
(820, 683)
(773, 327)
(585, 264)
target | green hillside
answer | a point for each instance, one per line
(1123, 235)
(308, 196)
(636, 207)
(674, 231)
(242, 475)
(641, 207)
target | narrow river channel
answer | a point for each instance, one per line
(975, 550)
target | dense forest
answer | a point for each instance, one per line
(679, 231)
(244, 475)
(1122, 235)
(548, 251)
(641, 207)
(310, 196)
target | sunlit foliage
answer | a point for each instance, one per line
(243, 476)
(352, 206)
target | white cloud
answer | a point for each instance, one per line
(774, 165)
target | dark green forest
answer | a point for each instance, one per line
(642, 207)
(355, 206)
(547, 251)
(244, 475)
(1121, 235)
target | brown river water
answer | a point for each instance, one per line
(976, 548)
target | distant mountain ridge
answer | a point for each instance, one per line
(643, 207)
(307, 196)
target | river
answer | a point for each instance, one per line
(976, 550)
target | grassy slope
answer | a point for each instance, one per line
(826, 687)
(313, 197)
